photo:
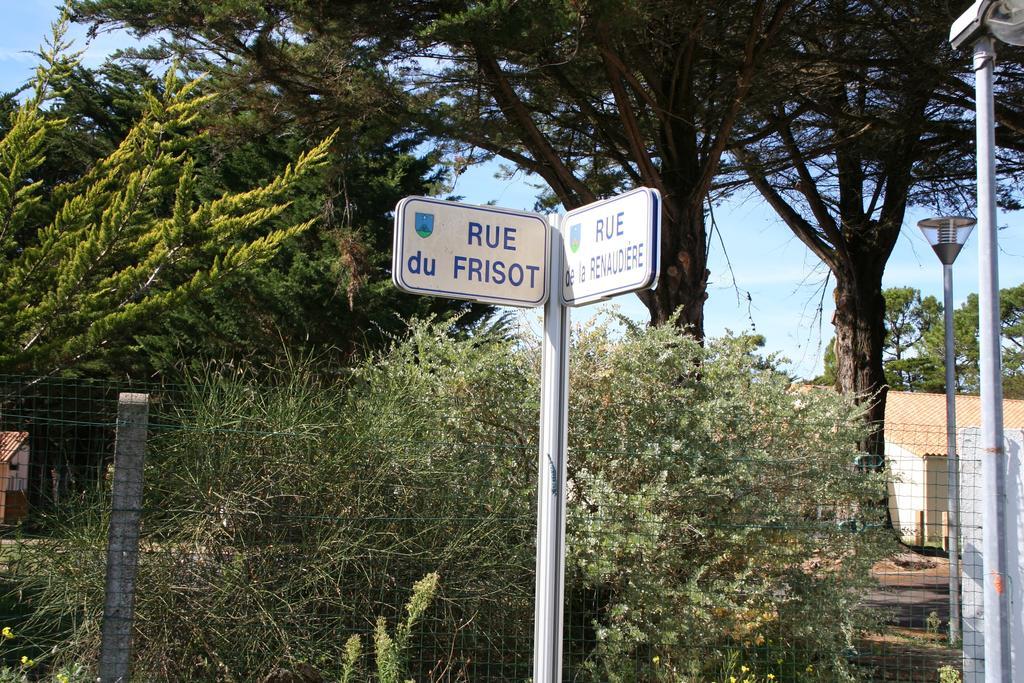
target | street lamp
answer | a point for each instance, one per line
(1003, 19)
(983, 21)
(947, 236)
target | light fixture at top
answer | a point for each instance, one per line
(1004, 19)
(947, 235)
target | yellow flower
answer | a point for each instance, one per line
(63, 678)
(771, 677)
(655, 659)
(7, 633)
(810, 668)
(27, 663)
(744, 669)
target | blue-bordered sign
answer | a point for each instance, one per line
(613, 247)
(480, 253)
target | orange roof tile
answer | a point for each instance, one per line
(917, 421)
(10, 442)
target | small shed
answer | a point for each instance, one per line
(915, 450)
(14, 459)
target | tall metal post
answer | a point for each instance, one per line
(994, 466)
(947, 235)
(952, 460)
(554, 409)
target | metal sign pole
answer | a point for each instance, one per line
(493, 255)
(554, 410)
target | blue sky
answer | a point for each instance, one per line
(783, 279)
(24, 25)
(757, 254)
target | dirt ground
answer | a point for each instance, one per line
(914, 589)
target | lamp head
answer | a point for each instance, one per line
(970, 25)
(947, 235)
(1004, 19)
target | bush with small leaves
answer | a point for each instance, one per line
(715, 518)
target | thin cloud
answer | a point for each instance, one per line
(18, 56)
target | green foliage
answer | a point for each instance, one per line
(915, 347)
(97, 108)
(388, 667)
(933, 622)
(712, 510)
(829, 376)
(909, 318)
(949, 674)
(127, 240)
(591, 97)
(27, 669)
(691, 522)
(390, 651)
(931, 351)
(289, 506)
(928, 347)
(325, 292)
(1011, 313)
(22, 148)
(350, 659)
(1011, 330)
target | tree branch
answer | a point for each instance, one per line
(797, 223)
(566, 185)
(753, 52)
(634, 136)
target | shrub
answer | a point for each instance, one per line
(714, 514)
(715, 519)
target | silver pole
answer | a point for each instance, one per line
(554, 410)
(952, 461)
(993, 465)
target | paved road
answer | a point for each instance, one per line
(911, 594)
(911, 587)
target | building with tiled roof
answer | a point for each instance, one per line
(14, 457)
(915, 449)
(918, 420)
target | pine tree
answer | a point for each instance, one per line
(128, 240)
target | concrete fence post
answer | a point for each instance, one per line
(123, 539)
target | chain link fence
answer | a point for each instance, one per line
(268, 542)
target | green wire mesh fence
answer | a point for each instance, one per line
(273, 531)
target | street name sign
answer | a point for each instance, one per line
(481, 253)
(506, 257)
(611, 247)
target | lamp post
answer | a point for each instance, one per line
(983, 21)
(947, 235)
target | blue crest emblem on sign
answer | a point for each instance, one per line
(575, 232)
(424, 224)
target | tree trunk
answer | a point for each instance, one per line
(860, 329)
(683, 281)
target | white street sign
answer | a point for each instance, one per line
(611, 247)
(480, 253)
(500, 256)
